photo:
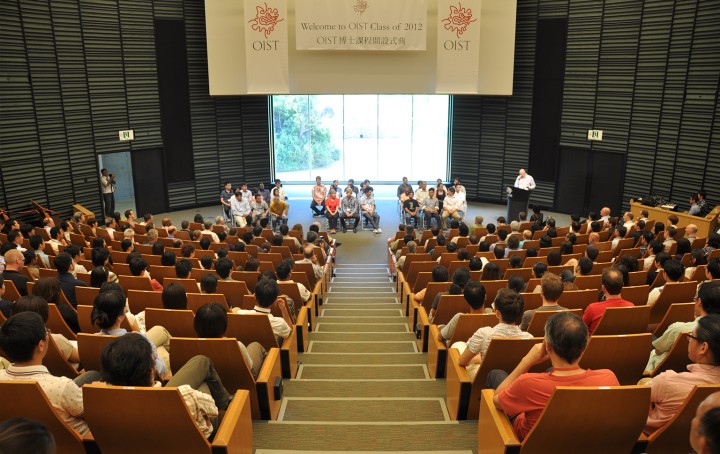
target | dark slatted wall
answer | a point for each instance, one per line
(75, 72)
(647, 73)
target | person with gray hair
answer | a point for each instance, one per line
(523, 395)
(207, 230)
(79, 217)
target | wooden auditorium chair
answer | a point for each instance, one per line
(465, 328)
(623, 320)
(626, 355)
(539, 318)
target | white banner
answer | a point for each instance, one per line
(361, 24)
(266, 46)
(458, 46)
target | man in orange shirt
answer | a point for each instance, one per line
(612, 284)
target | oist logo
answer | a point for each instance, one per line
(265, 20)
(458, 20)
(361, 6)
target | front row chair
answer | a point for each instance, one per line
(148, 420)
(576, 419)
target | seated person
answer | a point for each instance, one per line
(13, 264)
(411, 249)
(349, 210)
(23, 339)
(266, 293)
(523, 395)
(138, 267)
(64, 264)
(37, 304)
(460, 278)
(128, 361)
(704, 436)
(707, 302)
(439, 274)
(283, 271)
(551, 289)
(670, 388)
(109, 312)
(474, 294)
(211, 323)
(508, 308)
(672, 272)
(411, 210)
(612, 284)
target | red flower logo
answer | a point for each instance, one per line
(361, 6)
(265, 20)
(458, 20)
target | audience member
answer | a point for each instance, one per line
(612, 284)
(551, 288)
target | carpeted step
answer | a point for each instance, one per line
(364, 320)
(415, 437)
(361, 305)
(363, 358)
(358, 409)
(378, 388)
(339, 337)
(362, 347)
(358, 298)
(341, 312)
(326, 326)
(365, 280)
(363, 372)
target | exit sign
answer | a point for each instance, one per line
(594, 134)
(127, 135)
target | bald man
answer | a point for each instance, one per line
(703, 430)
(14, 261)
(524, 181)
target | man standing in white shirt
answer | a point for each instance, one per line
(524, 181)
(107, 182)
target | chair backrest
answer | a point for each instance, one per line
(625, 243)
(537, 322)
(448, 306)
(159, 417)
(56, 363)
(86, 295)
(248, 328)
(233, 291)
(225, 355)
(673, 436)
(678, 312)
(590, 420)
(423, 278)
(637, 277)
(503, 354)
(11, 292)
(433, 288)
(196, 300)
(309, 271)
(90, 346)
(524, 273)
(578, 299)
(26, 399)
(602, 352)
(456, 265)
(677, 358)
(176, 322)
(84, 314)
(675, 292)
(139, 300)
(134, 283)
(249, 277)
(636, 294)
(160, 273)
(531, 300)
(417, 267)
(491, 289)
(623, 320)
(190, 285)
(57, 324)
(598, 267)
(589, 282)
(469, 323)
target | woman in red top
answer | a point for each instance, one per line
(332, 210)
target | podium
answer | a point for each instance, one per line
(517, 202)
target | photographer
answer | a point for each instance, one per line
(107, 182)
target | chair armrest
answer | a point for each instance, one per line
(405, 295)
(401, 284)
(290, 347)
(494, 429)
(457, 386)
(235, 433)
(271, 369)
(437, 353)
(424, 322)
(412, 314)
(302, 331)
(90, 445)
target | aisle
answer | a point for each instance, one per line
(362, 385)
